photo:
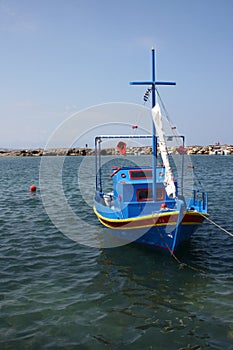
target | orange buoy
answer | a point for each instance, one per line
(33, 188)
(163, 206)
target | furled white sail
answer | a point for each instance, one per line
(169, 181)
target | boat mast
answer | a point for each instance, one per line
(153, 83)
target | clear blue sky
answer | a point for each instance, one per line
(60, 56)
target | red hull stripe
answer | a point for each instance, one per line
(188, 219)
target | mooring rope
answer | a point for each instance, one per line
(181, 264)
(217, 225)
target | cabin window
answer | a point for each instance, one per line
(160, 195)
(140, 174)
(145, 194)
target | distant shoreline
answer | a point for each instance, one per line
(216, 149)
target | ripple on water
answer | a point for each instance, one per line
(55, 293)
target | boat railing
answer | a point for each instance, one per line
(196, 200)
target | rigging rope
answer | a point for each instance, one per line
(175, 133)
(163, 106)
(166, 115)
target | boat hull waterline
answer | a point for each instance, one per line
(163, 231)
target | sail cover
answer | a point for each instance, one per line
(169, 181)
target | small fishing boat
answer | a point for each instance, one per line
(147, 204)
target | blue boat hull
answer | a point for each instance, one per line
(166, 231)
(159, 238)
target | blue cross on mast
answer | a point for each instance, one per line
(153, 83)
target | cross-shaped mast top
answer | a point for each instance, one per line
(153, 82)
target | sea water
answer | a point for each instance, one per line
(58, 294)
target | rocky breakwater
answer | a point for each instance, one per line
(47, 152)
(70, 152)
(20, 153)
(144, 150)
(210, 150)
